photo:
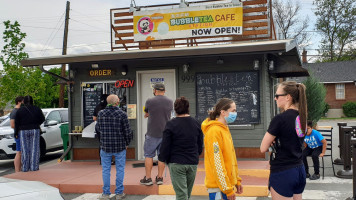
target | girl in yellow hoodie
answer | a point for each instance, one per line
(219, 156)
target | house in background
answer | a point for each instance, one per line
(339, 78)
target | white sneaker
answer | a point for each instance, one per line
(120, 196)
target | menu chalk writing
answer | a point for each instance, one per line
(242, 87)
(91, 98)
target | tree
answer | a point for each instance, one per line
(289, 22)
(17, 80)
(336, 20)
(315, 92)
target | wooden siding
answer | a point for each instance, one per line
(256, 26)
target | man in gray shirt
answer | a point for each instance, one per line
(158, 110)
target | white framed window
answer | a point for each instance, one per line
(340, 91)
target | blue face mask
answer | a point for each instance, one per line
(231, 118)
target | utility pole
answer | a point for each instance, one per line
(64, 52)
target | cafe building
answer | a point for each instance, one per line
(195, 55)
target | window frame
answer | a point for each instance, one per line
(339, 90)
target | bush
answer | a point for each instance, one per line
(326, 109)
(349, 109)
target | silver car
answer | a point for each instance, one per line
(50, 140)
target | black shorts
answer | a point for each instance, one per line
(288, 182)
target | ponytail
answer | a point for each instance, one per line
(302, 106)
(222, 104)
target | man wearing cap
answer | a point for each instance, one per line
(158, 111)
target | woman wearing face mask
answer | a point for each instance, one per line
(219, 156)
(285, 135)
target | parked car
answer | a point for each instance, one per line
(21, 190)
(2, 118)
(50, 140)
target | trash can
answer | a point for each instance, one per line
(65, 139)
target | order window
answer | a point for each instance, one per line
(340, 91)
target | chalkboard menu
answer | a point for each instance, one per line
(91, 98)
(242, 87)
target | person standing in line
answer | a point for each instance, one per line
(219, 155)
(181, 146)
(115, 137)
(158, 110)
(27, 124)
(17, 159)
(315, 145)
(102, 105)
(285, 137)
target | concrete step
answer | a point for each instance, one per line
(86, 177)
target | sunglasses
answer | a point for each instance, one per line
(278, 95)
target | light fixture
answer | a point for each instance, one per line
(236, 2)
(219, 61)
(256, 64)
(94, 66)
(183, 4)
(124, 70)
(132, 7)
(71, 74)
(185, 68)
(271, 65)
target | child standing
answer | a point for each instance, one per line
(315, 145)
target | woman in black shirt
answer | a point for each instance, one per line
(181, 146)
(285, 136)
(27, 124)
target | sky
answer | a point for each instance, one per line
(89, 25)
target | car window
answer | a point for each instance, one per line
(64, 115)
(6, 122)
(54, 115)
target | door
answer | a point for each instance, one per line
(145, 81)
(52, 133)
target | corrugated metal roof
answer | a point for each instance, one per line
(236, 48)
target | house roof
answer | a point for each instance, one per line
(285, 50)
(332, 72)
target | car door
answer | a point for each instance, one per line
(52, 133)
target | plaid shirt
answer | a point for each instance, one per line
(115, 132)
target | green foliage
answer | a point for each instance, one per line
(349, 109)
(315, 92)
(17, 80)
(336, 20)
(326, 109)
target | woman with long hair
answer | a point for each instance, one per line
(285, 137)
(181, 146)
(219, 157)
(27, 122)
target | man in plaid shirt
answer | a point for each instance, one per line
(115, 137)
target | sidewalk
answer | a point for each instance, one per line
(85, 177)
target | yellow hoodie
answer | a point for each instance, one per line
(219, 157)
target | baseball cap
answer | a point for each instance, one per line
(159, 86)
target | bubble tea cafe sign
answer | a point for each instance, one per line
(199, 21)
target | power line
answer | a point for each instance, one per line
(72, 47)
(86, 24)
(70, 29)
(47, 44)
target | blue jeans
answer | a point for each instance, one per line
(120, 159)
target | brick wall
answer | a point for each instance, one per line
(350, 95)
